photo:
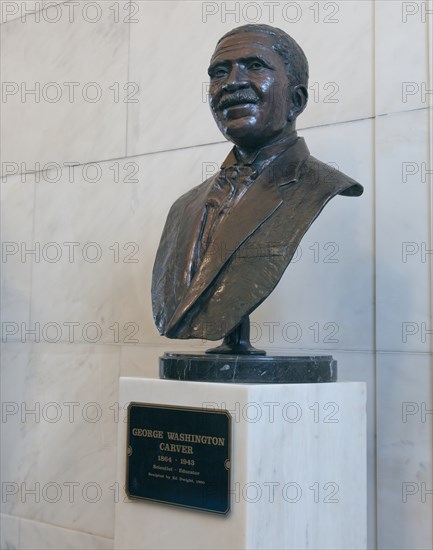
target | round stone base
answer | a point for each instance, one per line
(248, 369)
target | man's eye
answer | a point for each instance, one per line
(255, 65)
(219, 72)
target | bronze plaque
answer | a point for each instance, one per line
(179, 456)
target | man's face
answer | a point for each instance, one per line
(250, 94)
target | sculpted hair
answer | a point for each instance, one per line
(291, 52)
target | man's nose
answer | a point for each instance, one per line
(236, 80)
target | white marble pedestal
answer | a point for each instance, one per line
(298, 475)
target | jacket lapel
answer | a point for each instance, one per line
(257, 206)
(188, 233)
(260, 201)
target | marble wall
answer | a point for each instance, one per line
(105, 123)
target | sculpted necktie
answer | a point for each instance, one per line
(229, 186)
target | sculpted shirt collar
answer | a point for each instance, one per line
(263, 156)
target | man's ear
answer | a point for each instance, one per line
(299, 101)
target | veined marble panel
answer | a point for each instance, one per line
(20, 9)
(402, 80)
(76, 63)
(13, 9)
(35, 535)
(19, 533)
(9, 532)
(172, 111)
(60, 431)
(403, 232)
(404, 446)
(360, 367)
(17, 237)
(107, 284)
(15, 361)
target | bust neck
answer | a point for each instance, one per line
(266, 152)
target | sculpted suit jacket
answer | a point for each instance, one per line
(250, 249)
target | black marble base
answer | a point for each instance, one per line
(248, 369)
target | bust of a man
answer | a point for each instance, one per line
(228, 241)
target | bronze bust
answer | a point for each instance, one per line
(227, 242)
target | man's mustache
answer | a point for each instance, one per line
(237, 98)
